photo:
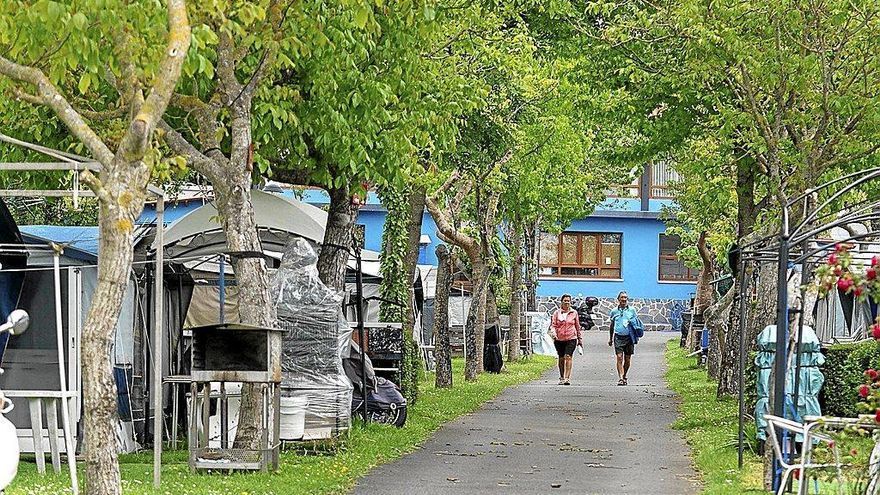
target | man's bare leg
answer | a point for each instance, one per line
(626, 362)
(620, 371)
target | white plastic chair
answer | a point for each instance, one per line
(804, 463)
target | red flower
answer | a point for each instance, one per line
(875, 331)
(864, 390)
(877, 416)
(875, 261)
(797, 473)
(844, 284)
(838, 271)
(831, 444)
(872, 374)
(857, 291)
(832, 259)
(871, 273)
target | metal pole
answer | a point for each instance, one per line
(743, 290)
(157, 343)
(781, 330)
(62, 376)
(222, 288)
(359, 309)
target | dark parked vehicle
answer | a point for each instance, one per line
(585, 312)
(385, 403)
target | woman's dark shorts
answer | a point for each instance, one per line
(623, 344)
(565, 347)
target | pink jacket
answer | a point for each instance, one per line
(567, 329)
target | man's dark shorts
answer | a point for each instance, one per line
(623, 344)
(565, 347)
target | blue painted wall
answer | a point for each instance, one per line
(639, 263)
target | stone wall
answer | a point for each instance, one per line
(656, 314)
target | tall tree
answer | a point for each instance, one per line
(355, 112)
(236, 48)
(52, 56)
(786, 90)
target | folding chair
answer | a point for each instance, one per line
(804, 464)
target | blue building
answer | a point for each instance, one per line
(621, 246)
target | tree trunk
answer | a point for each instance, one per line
(414, 366)
(746, 213)
(515, 294)
(473, 325)
(400, 252)
(333, 257)
(758, 315)
(99, 388)
(442, 352)
(473, 250)
(715, 319)
(233, 199)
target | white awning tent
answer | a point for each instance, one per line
(199, 233)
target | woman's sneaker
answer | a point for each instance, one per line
(561, 381)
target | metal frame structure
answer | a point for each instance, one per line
(70, 162)
(794, 245)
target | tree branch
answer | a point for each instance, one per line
(135, 141)
(53, 99)
(198, 160)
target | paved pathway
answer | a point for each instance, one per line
(539, 437)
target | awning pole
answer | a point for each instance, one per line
(157, 342)
(62, 375)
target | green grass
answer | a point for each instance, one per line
(364, 449)
(710, 428)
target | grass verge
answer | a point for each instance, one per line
(710, 428)
(365, 448)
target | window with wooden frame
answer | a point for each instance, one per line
(580, 254)
(671, 268)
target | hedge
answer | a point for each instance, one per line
(844, 369)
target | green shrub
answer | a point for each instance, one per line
(844, 369)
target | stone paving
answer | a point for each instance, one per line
(540, 437)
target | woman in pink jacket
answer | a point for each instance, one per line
(566, 331)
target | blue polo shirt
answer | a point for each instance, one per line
(621, 319)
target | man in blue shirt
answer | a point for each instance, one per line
(619, 335)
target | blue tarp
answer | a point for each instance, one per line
(84, 239)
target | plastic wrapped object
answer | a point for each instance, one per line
(312, 349)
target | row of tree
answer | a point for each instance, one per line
(755, 103)
(485, 113)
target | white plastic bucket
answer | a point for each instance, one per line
(293, 417)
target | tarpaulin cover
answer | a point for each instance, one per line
(317, 337)
(809, 385)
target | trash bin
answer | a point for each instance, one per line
(492, 360)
